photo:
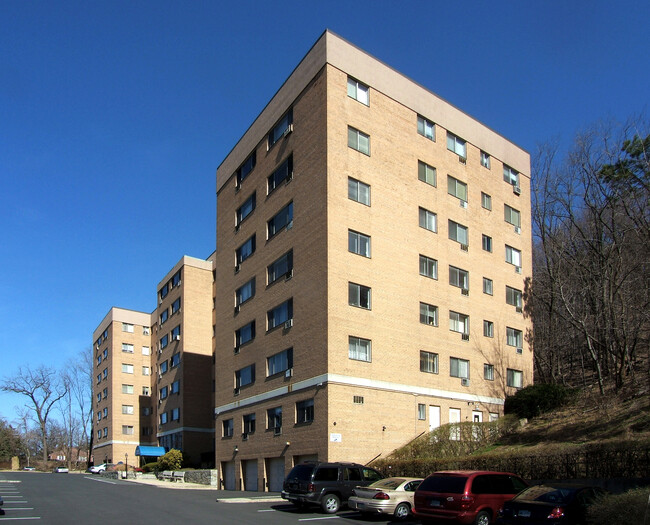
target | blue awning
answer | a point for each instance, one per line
(150, 451)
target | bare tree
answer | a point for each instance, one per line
(44, 391)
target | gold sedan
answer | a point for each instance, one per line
(387, 496)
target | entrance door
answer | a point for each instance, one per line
(228, 469)
(434, 417)
(454, 430)
(249, 468)
(275, 472)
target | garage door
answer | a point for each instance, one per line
(249, 467)
(306, 457)
(228, 469)
(275, 472)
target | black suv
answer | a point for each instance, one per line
(326, 484)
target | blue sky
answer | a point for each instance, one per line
(115, 115)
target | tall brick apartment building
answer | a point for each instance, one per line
(373, 244)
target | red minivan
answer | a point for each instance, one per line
(465, 496)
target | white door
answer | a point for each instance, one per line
(228, 469)
(275, 472)
(477, 417)
(434, 417)
(250, 474)
(454, 430)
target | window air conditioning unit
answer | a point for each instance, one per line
(516, 190)
(288, 372)
(288, 324)
(177, 338)
(235, 391)
(517, 269)
(462, 160)
(244, 436)
(465, 337)
(464, 381)
(288, 275)
(520, 350)
(236, 350)
(519, 309)
(464, 291)
(464, 247)
(463, 204)
(288, 130)
(517, 230)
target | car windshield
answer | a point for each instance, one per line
(546, 494)
(301, 472)
(388, 484)
(445, 483)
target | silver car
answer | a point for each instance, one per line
(387, 496)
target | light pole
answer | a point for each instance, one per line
(126, 464)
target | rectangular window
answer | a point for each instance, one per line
(164, 291)
(127, 389)
(283, 173)
(514, 378)
(245, 334)
(163, 418)
(227, 426)
(127, 409)
(456, 188)
(359, 295)
(422, 411)
(426, 128)
(510, 176)
(514, 337)
(359, 243)
(127, 429)
(146, 371)
(485, 160)
(127, 368)
(513, 297)
(176, 387)
(279, 362)
(245, 292)
(127, 347)
(428, 314)
(146, 330)
(459, 278)
(282, 128)
(245, 251)
(145, 391)
(488, 372)
(164, 315)
(357, 400)
(358, 191)
(164, 366)
(458, 232)
(281, 314)
(164, 341)
(486, 242)
(245, 169)
(428, 362)
(248, 424)
(359, 349)
(486, 201)
(457, 145)
(105, 354)
(245, 209)
(274, 418)
(488, 328)
(459, 323)
(282, 267)
(358, 140)
(513, 256)
(176, 333)
(428, 267)
(176, 414)
(245, 376)
(428, 220)
(458, 367)
(427, 173)
(176, 306)
(146, 350)
(487, 286)
(127, 327)
(305, 411)
(282, 219)
(512, 216)
(105, 373)
(358, 91)
(175, 360)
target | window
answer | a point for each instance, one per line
(127, 409)
(176, 387)
(145, 391)
(245, 169)
(146, 350)
(176, 414)
(456, 188)
(514, 337)
(358, 91)
(486, 201)
(305, 411)
(105, 393)
(459, 278)
(105, 411)
(282, 128)
(164, 366)
(175, 360)
(274, 418)
(487, 243)
(458, 232)
(459, 322)
(245, 376)
(358, 191)
(127, 368)
(457, 145)
(245, 210)
(512, 216)
(359, 295)
(127, 327)
(127, 429)
(282, 219)
(510, 176)
(514, 378)
(227, 426)
(488, 372)
(163, 418)
(127, 347)
(358, 243)
(146, 371)
(99, 397)
(164, 341)
(176, 279)
(359, 349)
(146, 330)
(245, 251)
(176, 306)
(458, 367)
(283, 173)
(488, 328)
(279, 362)
(487, 286)
(282, 267)
(245, 292)
(357, 400)
(513, 297)
(105, 354)
(428, 220)
(176, 333)
(428, 267)
(280, 314)
(513, 256)
(428, 314)
(105, 373)
(99, 415)
(426, 128)
(127, 389)
(422, 411)
(427, 173)
(105, 431)
(248, 426)
(428, 362)
(485, 160)
(164, 315)
(164, 291)
(244, 334)
(358, 140)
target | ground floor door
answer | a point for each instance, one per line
(275, 473)
(249, 470)
(434, 417)
(454, 430)
(228, 470)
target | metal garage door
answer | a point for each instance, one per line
(306, 457)
(275, 472)
(228, 469)
(249, 468)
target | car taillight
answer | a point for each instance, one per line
(381, 495)
(465, 501)
(310, 487)
(556, 513)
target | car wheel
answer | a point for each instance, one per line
(482, 518)
(331, 503)
(402, 511)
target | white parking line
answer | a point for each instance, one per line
(323, 518)
(100, 480)
(266, 510)
(25, 518)
(20, 508)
